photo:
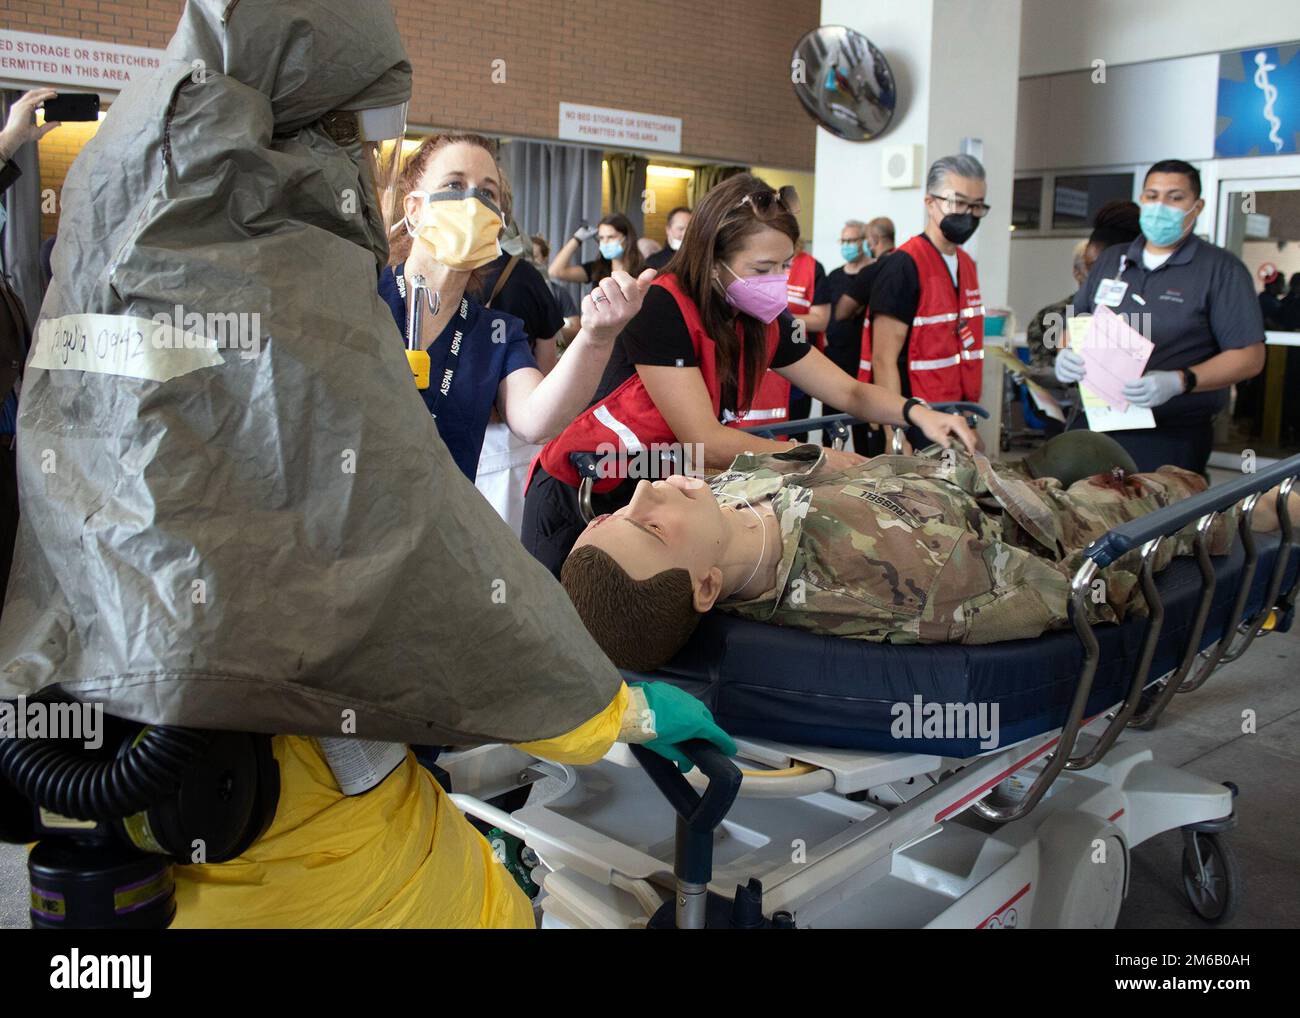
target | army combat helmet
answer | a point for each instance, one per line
(1074, 455)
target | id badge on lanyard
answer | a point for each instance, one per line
(1110, 292)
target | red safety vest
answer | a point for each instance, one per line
(945, 347)
(799, 289)
(629, 420)
(864, 358)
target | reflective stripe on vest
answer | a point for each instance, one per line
(976, 312)
(772, 414)
(626, 435)
(936, 364)
(934, 319)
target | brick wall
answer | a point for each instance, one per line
(58, 149)
(722, 67)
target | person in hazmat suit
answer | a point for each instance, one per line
(237, 513)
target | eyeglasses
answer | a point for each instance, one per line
(953, 205)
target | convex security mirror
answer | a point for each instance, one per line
(844, 82)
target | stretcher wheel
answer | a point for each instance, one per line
(1211, 878)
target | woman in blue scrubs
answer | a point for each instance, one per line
(479, 357)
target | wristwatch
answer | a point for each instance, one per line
(907, 409)
(1189, 380)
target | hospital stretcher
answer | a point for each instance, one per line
(839, 820)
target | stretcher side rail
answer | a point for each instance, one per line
(1148, 533)
(971, 411)
(1080, 588)
(836, 424)
(1170, 520)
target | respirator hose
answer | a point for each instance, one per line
(58, 779)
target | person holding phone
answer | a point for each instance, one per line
(20, 128)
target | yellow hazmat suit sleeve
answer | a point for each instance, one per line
(590, 740)
(401, 855)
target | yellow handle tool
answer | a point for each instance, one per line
(418, 359)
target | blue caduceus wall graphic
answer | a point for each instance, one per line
(1259, 102)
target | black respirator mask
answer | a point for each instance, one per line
(111, 819)
(958, 226)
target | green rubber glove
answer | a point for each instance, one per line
(676, 716)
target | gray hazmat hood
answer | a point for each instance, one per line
(245, 518)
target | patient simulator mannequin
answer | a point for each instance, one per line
(938, 547)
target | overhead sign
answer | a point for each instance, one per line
(620, 128)
(57, 60)
(1258, 112)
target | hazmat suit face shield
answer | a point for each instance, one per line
(372, 139)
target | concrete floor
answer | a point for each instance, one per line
(1200, 731)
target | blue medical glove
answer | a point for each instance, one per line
(1069, 367)
(676, 716)
(1153, 389)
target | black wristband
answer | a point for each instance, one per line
(1189, 380)
(907, 410)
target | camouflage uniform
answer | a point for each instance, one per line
(1051, 318)
(938, 548)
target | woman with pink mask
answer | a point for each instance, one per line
(686, 368)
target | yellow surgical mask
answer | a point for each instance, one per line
(460, 228)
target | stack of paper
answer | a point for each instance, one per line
(1114, 353)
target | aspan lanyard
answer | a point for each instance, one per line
(421, 298)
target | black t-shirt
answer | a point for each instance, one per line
(527, 296)
(659, 259)
(658, 336)
(843, 339)
(895, 289)
(597, 269)
(860, 285)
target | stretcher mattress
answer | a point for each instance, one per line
(779, 683)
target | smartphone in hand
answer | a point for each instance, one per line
(71, 106)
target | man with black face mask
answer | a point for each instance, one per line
(927, 315)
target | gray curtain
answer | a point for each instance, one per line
(626, 187)
(20, 245)
(706, 178)
(555, 187)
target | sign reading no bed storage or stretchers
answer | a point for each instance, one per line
(598, 124)
(58, 60)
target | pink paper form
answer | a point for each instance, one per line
(1114, 353)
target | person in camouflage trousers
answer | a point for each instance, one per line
(929, 548)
